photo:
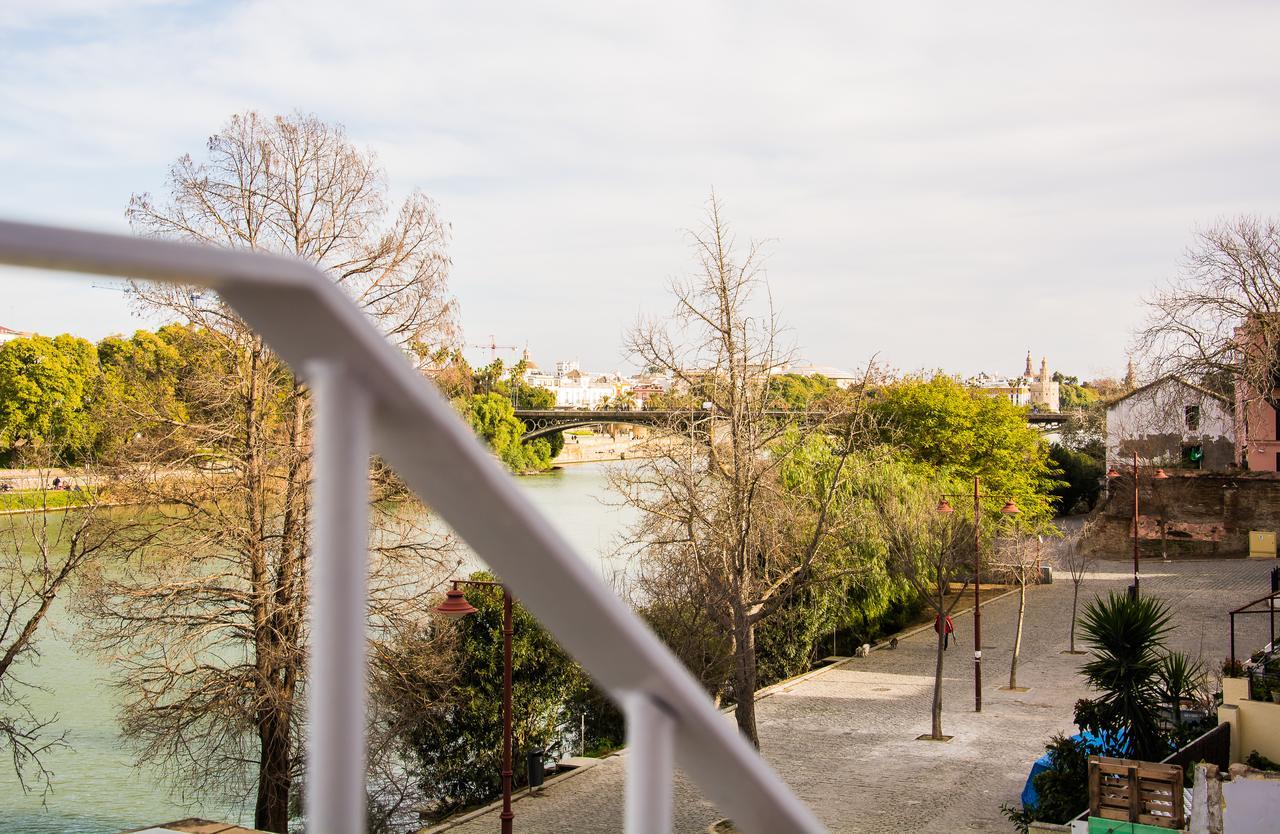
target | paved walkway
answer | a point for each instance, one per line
(845, 739)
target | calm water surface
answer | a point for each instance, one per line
(97, 790)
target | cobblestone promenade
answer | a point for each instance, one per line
(845, 739)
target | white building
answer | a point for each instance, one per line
(1039, 391)
(1171, 422)
(575, 388)
(578, 389)
(7, 334)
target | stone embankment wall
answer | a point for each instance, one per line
(584, 448)
(1189, 515)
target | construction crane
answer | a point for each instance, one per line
(493, 347)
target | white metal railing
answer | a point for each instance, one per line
(368, 398)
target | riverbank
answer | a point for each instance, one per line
(599, 448)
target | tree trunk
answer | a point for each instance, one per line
(1075, 597)
(937, 679)
(271, 813)
(1017, 637)
(744, 675)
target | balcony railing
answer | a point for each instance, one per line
(367, 399)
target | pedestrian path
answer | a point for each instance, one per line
(845, 739)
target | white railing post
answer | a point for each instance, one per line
(335, 788)
(651, 741)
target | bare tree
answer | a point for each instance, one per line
(1219, 322)
(1077, 559)
(712, 501)
(929, 550)
(46, 546)
(208, 619)
(1017, 557)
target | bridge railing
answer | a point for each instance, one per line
(368, 398)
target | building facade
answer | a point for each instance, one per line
(1173, 423)
(1031, 390)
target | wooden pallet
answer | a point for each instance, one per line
(1133, 791)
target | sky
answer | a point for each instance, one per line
(938, 185)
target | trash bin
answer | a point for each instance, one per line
(536, 768)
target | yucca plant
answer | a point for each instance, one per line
(1127, 636)
(1179, 678)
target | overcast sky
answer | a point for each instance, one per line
(945, 185)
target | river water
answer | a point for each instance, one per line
(98, 790)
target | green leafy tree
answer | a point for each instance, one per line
(493, 419)
(671, 401)
(45, 389)
(857, 592)
(458, 739)
(1072, 395)
(962, 433)
(139, 392)
(798, 393)
(1080, 479)
(489, 378)
(1127, 636)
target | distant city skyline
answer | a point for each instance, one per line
(940, 186)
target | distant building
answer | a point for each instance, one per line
(1038, 391)
(841, 377)
(575, 388)
(6, 334)
(1172, 422)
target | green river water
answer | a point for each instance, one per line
(98, 790)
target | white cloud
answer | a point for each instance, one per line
(944, 185)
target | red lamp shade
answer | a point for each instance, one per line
(1112, 473)
(944, 506)
(1159, 476)
(1010, 508)
(455, 605)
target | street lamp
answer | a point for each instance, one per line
(944, 507)
(455, 606)
(1158, 476)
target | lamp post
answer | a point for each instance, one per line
(455, 606)
(944, 507)
(1158, 476)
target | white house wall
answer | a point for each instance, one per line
(1153, 421)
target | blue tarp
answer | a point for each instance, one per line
(1101, 744)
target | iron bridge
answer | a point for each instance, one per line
(539, 422)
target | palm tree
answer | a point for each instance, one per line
(1127, 636)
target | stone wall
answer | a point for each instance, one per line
(1190, 514)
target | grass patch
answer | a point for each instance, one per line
(42, 499)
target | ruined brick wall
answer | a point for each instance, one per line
(1191, 514)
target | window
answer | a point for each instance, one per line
(1192, 457)
(1192, 415)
